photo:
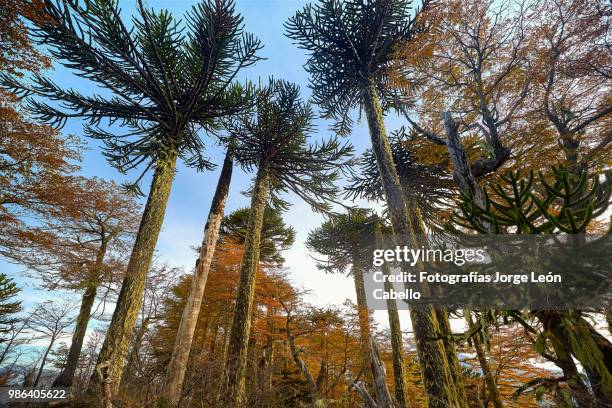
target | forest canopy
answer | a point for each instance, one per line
(192, 199)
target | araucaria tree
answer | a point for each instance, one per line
(177, 367)
(347, 243)
(166, 81)
(351, 46)
(274, 140)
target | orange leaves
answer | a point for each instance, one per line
(16, 51)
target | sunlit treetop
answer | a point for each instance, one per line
(274, 138)
(351, 44)
(162, 78)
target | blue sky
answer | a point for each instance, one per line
(192, 191)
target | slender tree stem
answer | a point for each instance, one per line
(443, 388)
(175, 374)
(484, 364)
(397, 349)
(66, 378)
(232, 393)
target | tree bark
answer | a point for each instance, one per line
(489, 378)
(577, 337)
(579, 391)
(380, 378)
(466, 181)
(232, 393)
(397, 349)
(443, 388)
(175, 374)
(114, 348)
(363, 315)
(269, 353)
(66, 378)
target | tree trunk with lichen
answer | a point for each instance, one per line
(443, 387)
(363, 315)
(66, 377)
(580, 393)
(175, 372)
(114, 349)
(576, 336)
(397, 348)
(233, 387)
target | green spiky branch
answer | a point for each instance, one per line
(344, 63)
(559, 203)
(165, 79)
(275, 136)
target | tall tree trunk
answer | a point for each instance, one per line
(175, 374)
(377, 376)
(114, 349)
(578, 390)
(578, 338)
(269, 353)
(363, 315)
(66, 378)
(443, 388)
(467, 183)
(232, 393)
(251, 370)
(397, 348)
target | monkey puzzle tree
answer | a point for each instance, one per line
(274, 140)
(347, 242)
(167, 81)
(275, 235)
(175, 372)
(555, 203)
(351, 46)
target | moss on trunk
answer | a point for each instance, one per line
(114, 349)
(232, 393)
(584, 346)
(397, 348)
(443, 388)
(175, 372)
